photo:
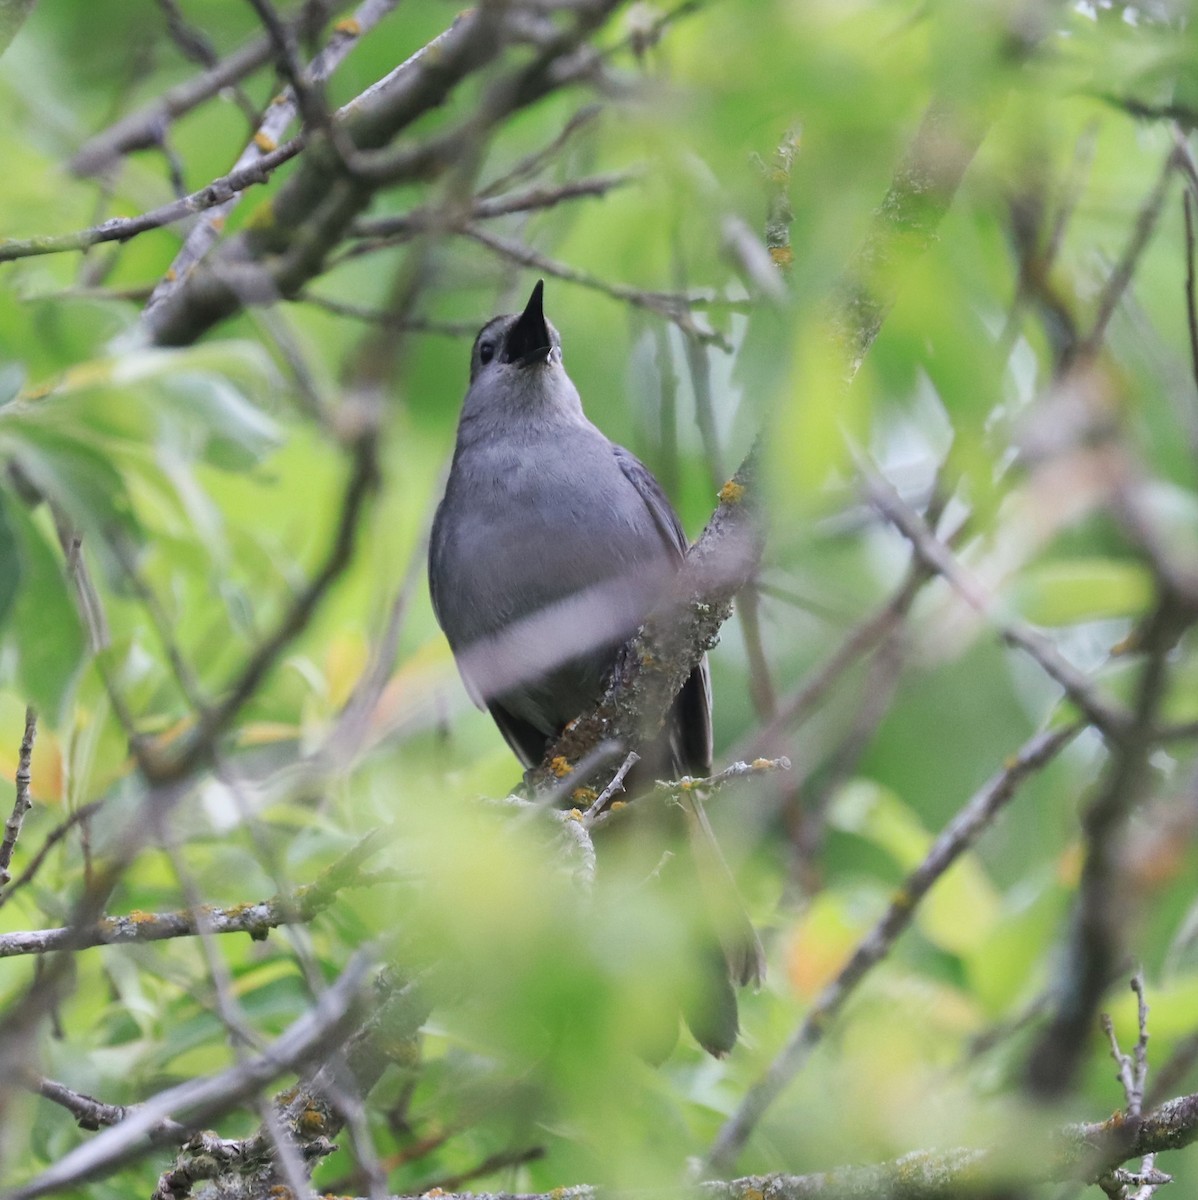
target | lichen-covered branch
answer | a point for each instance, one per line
(21, 802)
(953, 1174)
(199, 1101)
(655, 664)
(287, 245)
(256, 919)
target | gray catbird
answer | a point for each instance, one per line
(551, 546)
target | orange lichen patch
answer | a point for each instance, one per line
(1069, 864)
(404, 1052)
(436, 1192)
(585, 795)
(265, 142)
(560, 766)
(267, 733)
(262, 218)
(616, 805)
(1127, 645)
(732, 492)
(351, 27)
(311, 1121)
(140, 917)
(575, 814)
(783, 256)
(754, 1194)
(281, 1192)
(173, 732)
(761, 764)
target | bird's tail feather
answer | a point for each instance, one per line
(738, 939)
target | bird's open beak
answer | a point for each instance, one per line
(528, 341)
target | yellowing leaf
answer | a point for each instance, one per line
(345, 660)
(820, 944)
(1082, 589)
(961, 908)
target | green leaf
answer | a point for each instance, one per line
(1082, 589)
(10, 563)
(45, 626)
(74, 475)
(209, 398)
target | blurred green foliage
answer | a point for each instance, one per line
(203, 478)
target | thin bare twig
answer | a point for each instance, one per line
(302, 95)
(198, 1101)
(79, 817)
(195, 45)
(616, 785)
(672, 306)
(1125, 269)
(121, 229)
(378, 316)
(176, 762)
(1133, 1075)
(147, 126)
(405, 225)
(862, 638)
(22, 803)
(142, 129)
(93, 1114)
(1111, 720)
(1187, 205)
(313, 210)
(1092, 954)
(1133, 1068)
(957, 837)
(533, 163)
(302, 905)
(488, 1166)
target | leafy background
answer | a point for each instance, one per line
(206, 479)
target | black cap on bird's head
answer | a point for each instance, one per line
(522, 340)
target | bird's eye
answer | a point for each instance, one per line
(486, 352)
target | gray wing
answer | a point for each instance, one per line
(693, 705)
(655, 500)
(436, 572)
